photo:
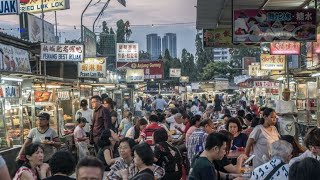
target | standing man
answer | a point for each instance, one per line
(86, 113)
(286, 111)
(202, 167)
(160, 104)
(101, 119)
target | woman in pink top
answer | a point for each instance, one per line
(194, 124)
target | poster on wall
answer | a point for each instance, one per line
(9, 7)
(31, 29)
(61, 52)
(175, 72)
(127, 52)
(34, 6)
(272, 62)
(152, 69)
(93, 68)
(41, 96)
(90, 43)
(285, 48)
(255, 70)
(135, 75)
(253, 25)
(10, 91)
(14, 59)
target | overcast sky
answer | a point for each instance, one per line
(141, 14)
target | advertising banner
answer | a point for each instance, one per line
(9, 7)
(9, 91)
(184, 79)
(90, 43)
(93, 68)
(285, 48)
(13, 59)
(253, 25)
(34, 6)
(272, 62)
(152, 69)
(255, 70)
(135, 75)
(175, 72)
(31, 29)
(127, 52)
(61, 52)
(246, 61)
(266, 84)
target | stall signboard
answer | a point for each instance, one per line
(254, 25)
(64, 95)
(266, 84)
(255, 70)
(221, 85)
(246, 61)
(285, 48)
(31, 29)
(14, 59)
(241, 78)
(195, 86)
(10, 91)
(90, 44)
(135, 75)
(184, 79)
(93, 68)
(35, 6)
(152, 69)
(9, 7)
(272, 62)
(61, 52)
(175, 72)
(127, 52)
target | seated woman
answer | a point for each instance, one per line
(126, 162)
(167, 156)
(224, 165)
(297, 148)
(239, 139)
(33, 167)
(106, 145)
(134, 132)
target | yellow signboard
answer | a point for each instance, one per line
(272, 62)
(35, 6)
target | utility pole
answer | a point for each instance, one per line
(101, 12)
(85, 9)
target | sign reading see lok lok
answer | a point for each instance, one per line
(61, 52)
(92, 68)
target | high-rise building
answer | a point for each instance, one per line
(154, 46)
(221, 54)
(169, 41)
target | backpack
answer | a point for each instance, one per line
(170, 160)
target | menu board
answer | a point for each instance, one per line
(127, 52)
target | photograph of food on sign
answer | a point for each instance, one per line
(252, 25)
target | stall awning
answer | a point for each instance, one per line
(218, 13)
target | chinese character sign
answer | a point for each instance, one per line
(285, 48)
(266, 84)
(61, 52)
(175, 72)
(92, 68)
(127, 52)
(152, 69)
(255, 70)
(272, 62)
(251, 25)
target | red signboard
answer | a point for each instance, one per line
(285, 48)
(152, 69)
(266, 84)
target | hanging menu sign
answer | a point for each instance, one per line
(266, 84)
(92, 68)
(272, 62)
(61, 52)
(127, 52)
(285, 48)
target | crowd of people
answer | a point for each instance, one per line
(174, 140)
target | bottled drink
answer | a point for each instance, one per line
(247, 171)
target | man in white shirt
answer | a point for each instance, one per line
(86, 113)
(160, 104)
(286, 111)
(176, 123)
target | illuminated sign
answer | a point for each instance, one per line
(35, 6)
(61, 52)
(92, 68)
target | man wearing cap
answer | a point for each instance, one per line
(43, 134)
(86, 113)
(286, 111)
(80, 138)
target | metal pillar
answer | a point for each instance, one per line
(101, 12)
(85, 9)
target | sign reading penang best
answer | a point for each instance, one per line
(61, 52)
(92, 68)
(272, 62)
(34, 6)
(9, 7)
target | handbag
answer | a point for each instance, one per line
(274, 170)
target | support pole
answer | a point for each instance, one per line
(85, 9)
(101, 12)
(287, 71)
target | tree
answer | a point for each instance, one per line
(105, 28)
(111, 31)
(203, 56)
(121, 32)
(238, 53)
(188, 67)
(215, 70)
(144, 55)
(74, 41)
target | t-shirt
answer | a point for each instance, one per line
(78, 133)
(138, 106)
(262, 141)
(181, 126)
(125, 125)
(263, 171)
(190, 131)
(147, 132)
(286, 122)
(202, 169)
(239, 141)
(2, 162)
(86, 114)
(220, 164)
(160, 104)
(38, 137)
(306, 154)
(59, 177)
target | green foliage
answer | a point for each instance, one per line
(238, 53)
(203, 56)
(121, 31)
(74, 41)
(111, 31)
(188, 67)
(216, 70)
(144, 55)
